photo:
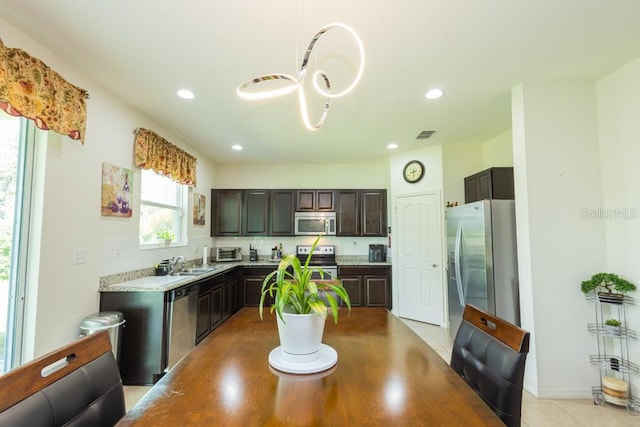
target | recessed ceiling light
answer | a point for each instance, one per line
(237, 147)
(392, 146)
(434, 93)
(186, 94)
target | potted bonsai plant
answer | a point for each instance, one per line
(612, 327)
(165, 235)
(610, 287)
(300, 303)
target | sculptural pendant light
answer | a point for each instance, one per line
(320, 79)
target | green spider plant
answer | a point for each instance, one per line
(294, 291)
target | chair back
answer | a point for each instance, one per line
(78, 384)
(489, 353)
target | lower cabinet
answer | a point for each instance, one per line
(368, 286)
(252, 280)
(217, 300)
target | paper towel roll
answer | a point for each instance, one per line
(205, 255)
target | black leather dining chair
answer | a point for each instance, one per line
(77, 385)
(489, 353)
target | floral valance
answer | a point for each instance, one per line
(154, 152)
(29, 88)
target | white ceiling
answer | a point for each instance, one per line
(476, 50)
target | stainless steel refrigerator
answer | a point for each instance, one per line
(482, 260)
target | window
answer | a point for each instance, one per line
(17, 168)
(163, 205)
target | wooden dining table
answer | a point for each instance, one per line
(385, 375)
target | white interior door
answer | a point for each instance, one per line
(419, 258)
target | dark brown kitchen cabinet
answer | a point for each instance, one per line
(374, 213)
(353, 286)
(281, 213)
(368, 286)
(361, 213)
(348, 213)
(226, 212)
(255, 216)
(203, 322)
(216, 307)
(492, 183)
(252, 280)
(315, 200)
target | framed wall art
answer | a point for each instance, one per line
(117, 185)
(199, 208)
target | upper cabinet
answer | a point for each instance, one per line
(226, 212)
(492, 183)
(281, 214)
(315, 200)
(374, 213)
(255, 213)
(359, 213)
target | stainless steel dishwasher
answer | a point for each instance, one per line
(183, 312)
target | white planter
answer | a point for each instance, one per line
(300, 336)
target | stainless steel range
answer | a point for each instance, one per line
(324, 256)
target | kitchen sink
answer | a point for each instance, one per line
(194, 271)
(185, 273)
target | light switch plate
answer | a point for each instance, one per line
(80, 256)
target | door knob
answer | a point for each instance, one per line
(434, 265)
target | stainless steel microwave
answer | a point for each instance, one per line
(315, 223)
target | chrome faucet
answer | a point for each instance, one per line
(175, 261)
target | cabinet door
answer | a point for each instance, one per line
(203, 324)
(347, 213)
(256, 212)
(374, 213)
(377, 291)
(306, 200)
(325, 200)
(484, 186)
(353, 286)
(252, 288)
(471, 189)
(229, 305)
(216, 307)
(282, 213)
(226, 212)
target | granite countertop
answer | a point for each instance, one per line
(150, 283)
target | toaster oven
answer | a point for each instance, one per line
(228, 254)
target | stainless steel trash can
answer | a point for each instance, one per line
(112, 321)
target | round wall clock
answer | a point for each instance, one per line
(413, 171)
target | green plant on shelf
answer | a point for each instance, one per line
(609, 282)
(612, 322)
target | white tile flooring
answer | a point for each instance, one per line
(535, 412)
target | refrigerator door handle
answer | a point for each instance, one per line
(457, 264)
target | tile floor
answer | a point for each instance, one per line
(535, 412)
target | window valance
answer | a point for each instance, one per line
(154, 152)
(29, 88)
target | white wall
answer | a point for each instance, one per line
(619, 127)
(67, 292)
(557, 174)
(498, 151)
(459, 161)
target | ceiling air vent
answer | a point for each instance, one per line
(425, 134)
